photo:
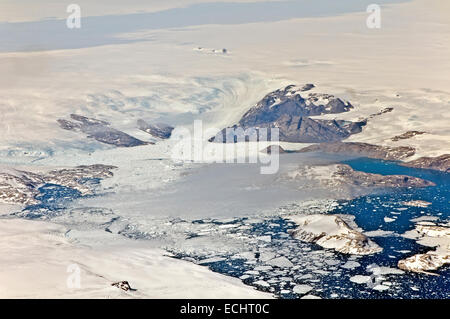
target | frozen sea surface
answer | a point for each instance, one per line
(219, 190)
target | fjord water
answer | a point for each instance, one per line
(370, 211)
(373, 208)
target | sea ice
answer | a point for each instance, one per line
(302, 289)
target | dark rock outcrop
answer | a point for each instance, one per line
(289, 110)
(363, 150)
(406, 135)
(100, 131)
(439, 163)
(124, 285)
(383, 111)
(159, 130)
(307, 87)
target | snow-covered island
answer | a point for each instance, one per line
(431, 235)
(333, 232)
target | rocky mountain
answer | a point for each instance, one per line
(159, 130)
(100, 131)
(290, 110)
(331, 231)
(290, 102)
(363, 150)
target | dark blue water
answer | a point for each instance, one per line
(369, 212)
(335, 281)
(53, 198)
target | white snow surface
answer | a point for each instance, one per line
(44, 256)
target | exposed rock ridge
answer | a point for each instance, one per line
(439, 163)
(363, 150)
(159, 130)
(100, 131)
